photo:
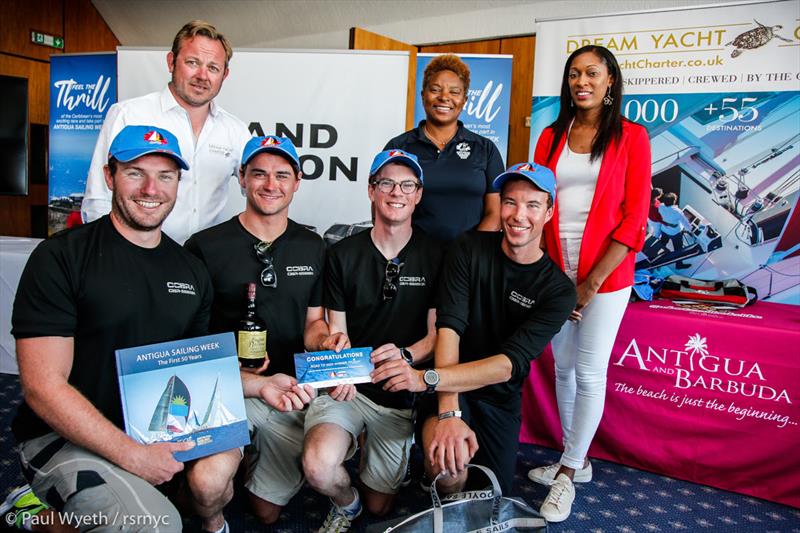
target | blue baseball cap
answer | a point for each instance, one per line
(135, 141)
(540, 176)
(396, 156)
(281, 146)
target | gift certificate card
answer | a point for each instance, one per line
(329, 368)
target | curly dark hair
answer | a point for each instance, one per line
(446, 62)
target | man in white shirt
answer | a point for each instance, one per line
(211, 138)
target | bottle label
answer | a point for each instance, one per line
(252, 344)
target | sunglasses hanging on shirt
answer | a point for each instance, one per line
(268, 276)
(391, 273)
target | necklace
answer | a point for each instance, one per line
(436, 139)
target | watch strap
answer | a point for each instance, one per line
(450, 414)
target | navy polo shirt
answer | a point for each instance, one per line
(456, 179)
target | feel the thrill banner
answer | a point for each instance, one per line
(718, 89)
(488, 98)
(82, 88)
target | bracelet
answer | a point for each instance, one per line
(450, 414)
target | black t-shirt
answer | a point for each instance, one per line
(456, 179)
(499, 306)
(299, 259)
(354, 279)
(92, 284)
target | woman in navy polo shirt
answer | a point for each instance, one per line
(459, 165)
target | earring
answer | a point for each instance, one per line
(608, 99)
(571, 102)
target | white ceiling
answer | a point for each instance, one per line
(326, 23)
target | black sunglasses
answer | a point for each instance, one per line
(268, 277)
(390, 274)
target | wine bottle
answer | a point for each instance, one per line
(251, 334)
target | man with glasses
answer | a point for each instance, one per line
(502, 299)
(379, 293)
(85, 293)
(285, 261)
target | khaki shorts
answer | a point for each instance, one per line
(274, 459)
(388, 442)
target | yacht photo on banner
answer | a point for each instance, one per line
(703, 394)
(488, 99)
(82, 88)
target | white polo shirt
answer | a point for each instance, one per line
(213, 160)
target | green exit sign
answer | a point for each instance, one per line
(47, 40)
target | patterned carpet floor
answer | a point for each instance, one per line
(619, 499)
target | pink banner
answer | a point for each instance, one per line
(709, 397)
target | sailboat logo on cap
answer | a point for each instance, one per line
(153, 137)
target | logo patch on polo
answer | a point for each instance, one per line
(412, 281)
(299, 270)
(463, 150)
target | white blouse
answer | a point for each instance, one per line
(576, 179)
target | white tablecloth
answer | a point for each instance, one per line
(14, 252)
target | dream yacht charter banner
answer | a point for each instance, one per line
(718, 89)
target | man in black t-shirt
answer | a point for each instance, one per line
(85, 293)
(286, 260)
(379, 293)
(501, 301)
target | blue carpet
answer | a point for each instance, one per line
(618, 500)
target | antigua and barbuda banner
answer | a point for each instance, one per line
(82, 88)
(488, 98)
(718, 89)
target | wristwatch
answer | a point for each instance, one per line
(405, 353)
(450, 414)
(431, 379)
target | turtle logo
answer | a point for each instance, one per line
(755, 38)
(463, 150)
(153, 137)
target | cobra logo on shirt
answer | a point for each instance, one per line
(412, 281)
(521, 299)
(299, 270)
(178, 287)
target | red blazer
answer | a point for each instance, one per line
(619, 206)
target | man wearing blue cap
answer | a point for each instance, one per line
(286, 261)
(210, 137)
(501, 301)
(379, 292)
(84, 293)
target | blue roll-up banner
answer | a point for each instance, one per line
(82, 88)
(488, 99)
(719, 93)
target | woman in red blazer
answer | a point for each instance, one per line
(602, 167)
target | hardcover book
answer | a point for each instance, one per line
(184, 390)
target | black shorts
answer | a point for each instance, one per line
(496, 429)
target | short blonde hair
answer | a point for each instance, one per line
(446, 62)
(204, 29)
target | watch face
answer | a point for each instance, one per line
(430, 377)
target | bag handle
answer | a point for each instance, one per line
(438, 515)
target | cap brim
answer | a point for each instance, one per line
(402, 160)
(273, 150)
(500, 180)
(127, 156)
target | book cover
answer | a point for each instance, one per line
(328, 368)
(184, 390)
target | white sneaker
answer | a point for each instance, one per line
(339, 520)
(544, 475)
(558, 504)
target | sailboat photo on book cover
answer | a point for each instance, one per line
(184, 390)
